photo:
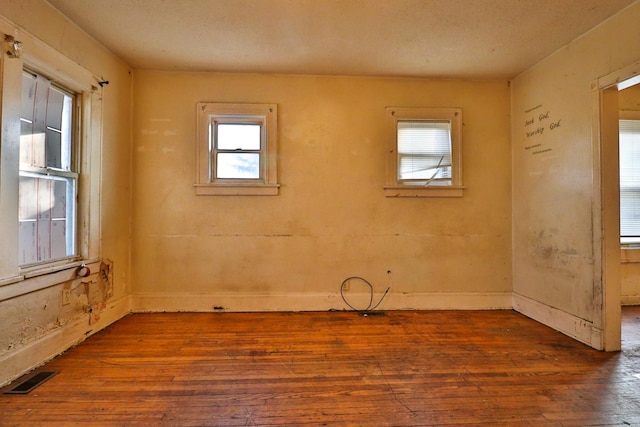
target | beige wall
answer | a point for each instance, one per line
(35, 323)
(557, 275)
(331, 219)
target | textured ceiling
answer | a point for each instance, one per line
(434, 38)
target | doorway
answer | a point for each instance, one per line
(607, 208)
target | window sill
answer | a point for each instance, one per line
(36, 270)
(237, 190)
(409, 191)
(33, 279)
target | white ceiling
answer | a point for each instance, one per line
(434, 38)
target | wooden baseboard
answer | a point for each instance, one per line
(316, 302)
(24, 359)
(575, 327)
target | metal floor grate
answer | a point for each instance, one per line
(29, 384)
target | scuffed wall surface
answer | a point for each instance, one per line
(631, 283)
(33, 317)
(331, 219)
(554, 261)
(27, 318)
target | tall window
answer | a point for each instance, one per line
(425, 152)
(237, 149)
(48, 175)
(629, 181)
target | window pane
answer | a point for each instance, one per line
(46, 220)
(28, 96)
(238, 136)
(238, 165)
(46, 198)
(45, 139)
(424, 150)
(55, 106)
(629, 178)
(53, 149)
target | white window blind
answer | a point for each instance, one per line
(630, 181)
(424, 152)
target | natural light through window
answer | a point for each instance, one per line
(424, 152)
(630, 181)
(47, 184)
(237, 149)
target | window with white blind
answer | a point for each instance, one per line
(629, 181)
(237, 149)
(48, 176)
(425, 152)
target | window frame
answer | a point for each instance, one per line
(212, 113)
(36, 56)
(70, 174)
(629, 242)
(396, 187)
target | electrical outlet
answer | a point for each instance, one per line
(66, 296)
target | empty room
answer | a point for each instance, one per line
(320, 212)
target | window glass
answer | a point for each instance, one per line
(238, 166)
(424, 152)
(630, 181)
(47, 185)
(238, 136)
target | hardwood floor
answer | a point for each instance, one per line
(446, 368)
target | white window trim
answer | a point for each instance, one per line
(268, 184)
(394, 188)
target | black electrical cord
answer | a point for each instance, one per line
(369, 308)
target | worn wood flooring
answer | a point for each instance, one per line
(409, 368)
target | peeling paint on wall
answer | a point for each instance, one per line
(29, 317)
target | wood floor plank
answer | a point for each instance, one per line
(445, 368)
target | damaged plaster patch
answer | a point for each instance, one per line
(29, 317)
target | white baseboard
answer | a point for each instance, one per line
(16, 363)
(575, 327)
(316, 302)
(450, 301)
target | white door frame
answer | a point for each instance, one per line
(606, 205)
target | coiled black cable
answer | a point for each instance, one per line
(369, 308)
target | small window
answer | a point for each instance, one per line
(48, 177)
(237, 149)
(630, 181)
(424, 152)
